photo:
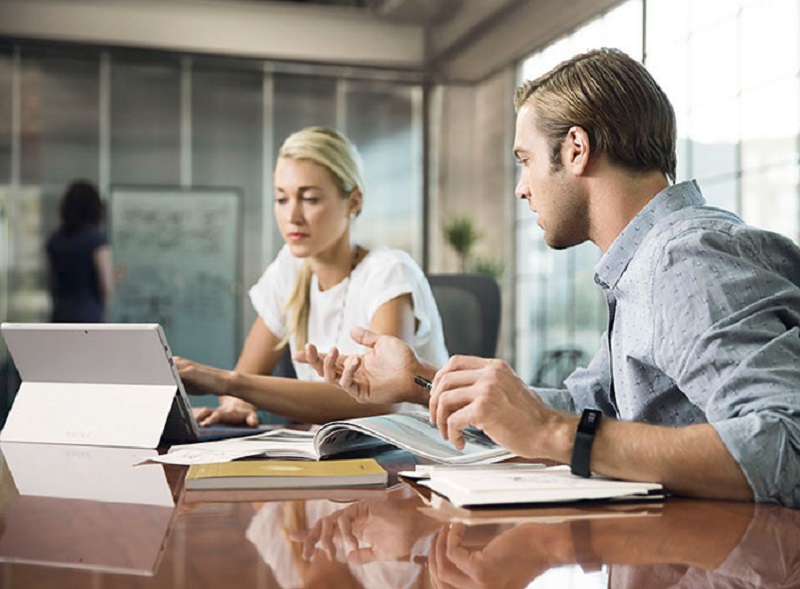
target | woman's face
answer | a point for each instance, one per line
(311, 211)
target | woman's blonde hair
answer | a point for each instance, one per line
(334, 151)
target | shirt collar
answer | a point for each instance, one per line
(673, 198)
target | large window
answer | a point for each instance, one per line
(560, 314)
(730, 68)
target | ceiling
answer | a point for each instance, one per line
(417, 12)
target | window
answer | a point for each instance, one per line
(730, 68)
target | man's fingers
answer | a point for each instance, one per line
(347, 380)
(329, 366)
(365, 337)
(361, 556)
(346, 529)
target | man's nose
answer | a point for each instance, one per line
(522, 190)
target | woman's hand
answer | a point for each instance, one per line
(231, 412)
(200, 379)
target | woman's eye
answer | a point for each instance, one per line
(311, 199)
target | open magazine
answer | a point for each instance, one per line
(411, 431)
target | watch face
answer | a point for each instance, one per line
(589, 420)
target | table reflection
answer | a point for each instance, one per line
(682, 543)
(378, 542)
(83, 507)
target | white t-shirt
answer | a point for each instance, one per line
(384, 274)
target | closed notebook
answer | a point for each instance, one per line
(285, 474)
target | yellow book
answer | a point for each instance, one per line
(286, 474)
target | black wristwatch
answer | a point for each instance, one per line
(584, 437)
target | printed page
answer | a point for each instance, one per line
(410, 431)
(279, 443)
(550, 485)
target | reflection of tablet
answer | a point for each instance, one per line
(96, 384)
(124, 513)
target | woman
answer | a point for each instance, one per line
(319, 286)
(81, 274)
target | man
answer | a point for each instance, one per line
(698, 375)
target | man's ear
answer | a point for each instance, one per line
(577, 150)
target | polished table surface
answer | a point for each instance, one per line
(77, 517)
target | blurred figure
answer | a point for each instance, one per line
(79, 256)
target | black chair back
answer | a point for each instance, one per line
(470, 306)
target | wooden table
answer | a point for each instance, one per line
(64, 525)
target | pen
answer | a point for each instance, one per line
(423, 382)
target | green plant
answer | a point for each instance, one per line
(462, 234)
(491, 266)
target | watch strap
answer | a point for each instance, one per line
(584, 438)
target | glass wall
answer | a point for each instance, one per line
(560, 313)
(147, 120)
(730, 68)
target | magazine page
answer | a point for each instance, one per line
(279, 443)
(411, 431)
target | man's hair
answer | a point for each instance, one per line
(615, 100)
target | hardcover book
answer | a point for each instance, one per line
(285, 474)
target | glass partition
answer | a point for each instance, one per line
(150, 120)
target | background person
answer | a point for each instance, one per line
(696, 384)
(318, 287)
(79, 256)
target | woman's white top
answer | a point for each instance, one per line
(384, 274)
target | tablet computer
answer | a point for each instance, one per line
(96, 384)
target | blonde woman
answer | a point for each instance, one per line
(319, 286)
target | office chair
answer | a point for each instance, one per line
(556, 365)
(469, 305)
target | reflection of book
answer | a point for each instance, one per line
(552, 485)
(410, 431)
(282, 474)
(440, 508)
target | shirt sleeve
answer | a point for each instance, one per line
(735, 349)
(394, 275)
(272, 290)
(97, 239)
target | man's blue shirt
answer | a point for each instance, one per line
(706, 328)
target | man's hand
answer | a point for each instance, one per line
(384, 529)
(513, 558)
(384, 374)
(490, 396)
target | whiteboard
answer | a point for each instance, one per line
(177, 254)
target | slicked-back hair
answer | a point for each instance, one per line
(615, 100)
